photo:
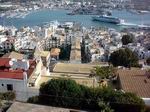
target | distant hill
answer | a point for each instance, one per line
(141, 4)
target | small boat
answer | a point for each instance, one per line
(70, 13)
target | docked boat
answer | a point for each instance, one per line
(70, 13)
(108, 19)
(139, 11)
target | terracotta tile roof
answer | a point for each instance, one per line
(4, 62)
(6, 72)
(11, 75)
(135, 81)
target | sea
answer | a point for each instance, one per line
(43, 16)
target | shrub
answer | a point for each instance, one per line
(124, 57)
(104, 107)
(7, 96)
(126, 39)
(34, 99)
(103, 72)
(148, 61)
(67, 93)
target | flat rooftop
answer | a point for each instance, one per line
(73, 68)
(27, 107)
(43, 53)
(79, 78)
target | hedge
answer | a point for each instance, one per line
(7, 96)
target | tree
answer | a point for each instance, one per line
(124, 57)
(13, 48)
(65, 52)
(69, 94)
(120, 101)
(126, 39)
(60, 92)
(103, 72)
(148, 61)
(60, 87)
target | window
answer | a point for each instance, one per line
(9, 87)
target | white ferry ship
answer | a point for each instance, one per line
(108, 19)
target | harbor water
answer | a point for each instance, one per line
(46, 15)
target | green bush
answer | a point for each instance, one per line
(148, 61)
(104, 107)
(65, 52)
(0, 103)
(7, 96)
(126, 39)
(103, 72)
(67, 93)
(34, 99)
(124, 57)
(68, 89)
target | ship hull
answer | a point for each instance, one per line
(107, 20)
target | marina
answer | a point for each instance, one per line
(39, 17)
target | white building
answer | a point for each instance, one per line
(24, 42)
(43, 32)
(1, 28)
(141, 51)
(14, 76)
(6, 43)
(12, 31)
